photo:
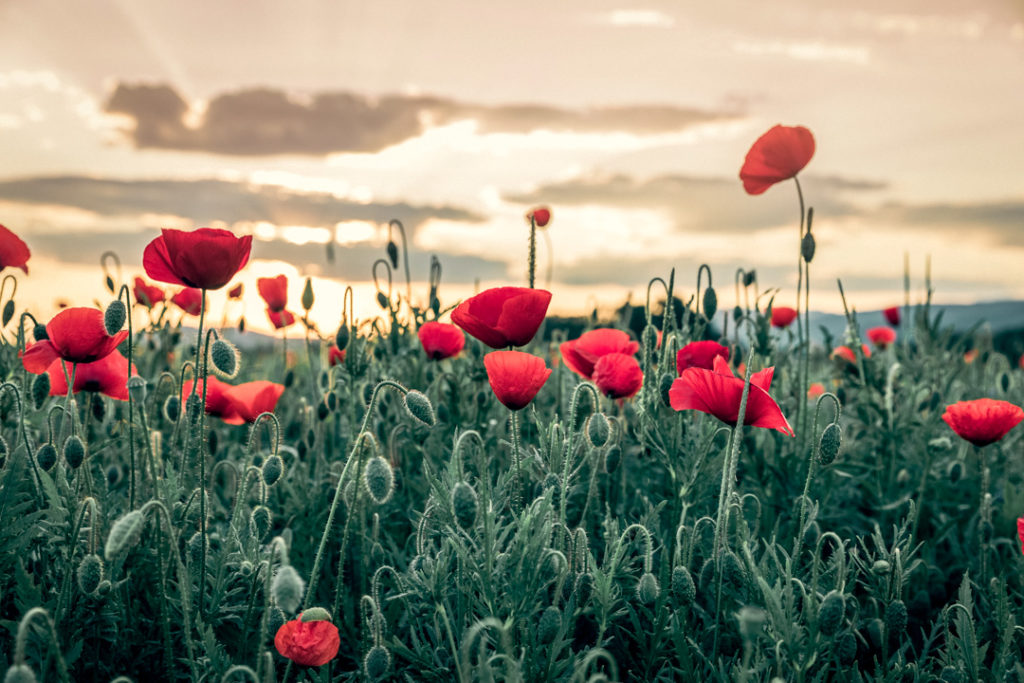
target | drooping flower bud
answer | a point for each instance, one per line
(315, 614)
(114, 317)
(682, 586)
(382, 300)
(710, 303)
(464, 505)
(341, 337)
(379, 480)
(647, 588)
(831, 612)
(74, 452)
(46, 457)
(377, 662)
(40, 390)
(225, 358)
(419, 407)
(549, 624)
(260, 521)
(125, 533)
(89, 574)
(392, 250)
(39, 332)
(272, 470)
(172, 408)
(831, 440)
(287, 588)
(307, 294)
(598, 430)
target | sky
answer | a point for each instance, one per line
(315, 121)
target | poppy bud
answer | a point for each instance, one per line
(307, 294)
(749, 277)
(846, 648)
(20, 673)
(40, 389)
(896, 617)
(172, 408)
(289, 378)
(377, 662)
(287, 588)
(598, 430)
(392, 250)
(550, 622)
(379, 479)
(647, 588)
(382, 300)
(114, 317)
(955, 472)
(125, 532)
(881, 567)
(315, 614)
(46, 456)
(435, 305)
(737, 313)
(89, 574)
(194, 549)
(225, 358)
(419, 406)
(807, 247)
(8, 313)
(664, 385)
(272, 470)
(831, 440)
(682, 586)
(276, 619)
(260, 521)
(464, 505)
(710, 303)
(751, 621)
(74, 452)
(341, 337)
(830, 614)
(322, 410)
(39, 332)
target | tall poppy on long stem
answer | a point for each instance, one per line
(503, 316)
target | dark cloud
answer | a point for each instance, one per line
(205, 201)
(1001, 222)
(266, 121)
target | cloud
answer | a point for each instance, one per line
(265, 121)
(1002, 222)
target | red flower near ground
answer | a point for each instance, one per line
(308, 643)
(515, 377)
(441, 340)
(108, 376)
(146, 294)
(1020, 531)
(217, 402)
(970, 355)
(189, 300)
(335, 356)
(847, 354)
(881, 337)
(540, 215)
(618, 375)
(235, 292)
(13, 251)
(783, 316)
(984, 420)
(892, 314)
(718, 392)
(252, 398)
(274, 291)
(280, 319)
(777, 155)
(76, 335)
(582, 354)
(206, 258)
(503, 316)
(700, 354)
(815, 390)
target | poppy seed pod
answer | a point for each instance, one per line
(136, 387)
(307, 294)
(683, 589)
(807, 246)
(39, 332)
(315, 614)
(20, 673)
(287, 588)
(830, 614)
(464, 505)
(647, 588)
(379, 480)
(710, 303)
(46, 456)
(272, 470)
(225, 358)
(40, 390)
(550, 622)
(419, 406)
(125, 532)
(89, 574)
(114, 317)
(74, 452)
(598, 430)
(896, 617)
(831, 440)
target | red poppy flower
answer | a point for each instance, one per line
(108, 376)
(503, 316)
(515, 377)
(76, 335)
(881, 337)
(815, 390)
(970, 356)
(1020, 531)
(235, 292)
(892, 314)
(700, 354)
(777, 155)
(146, 294)
(280, 319)
(206, 258)
(252, 398)
(982, 421)
(441, 340)
(274, 291)
(13, 252)
(308, 643)
(783, 316)
(540, 215)
(847, 354)
(217, 402)
(582, 354)
(618, 375)
(718, 392)
(189, 300)
(336, 356)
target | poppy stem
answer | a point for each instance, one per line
(804, 339)
(531, 258)
(517, 487)
(201, 374)
(131, 401)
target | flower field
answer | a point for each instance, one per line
(478, 491)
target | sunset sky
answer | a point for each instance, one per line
(310, 121)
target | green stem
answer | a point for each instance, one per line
(532, 256)
(517, 486)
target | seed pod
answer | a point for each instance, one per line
(74, 452)
(20, 673)
(260, 520)
(46, 456)
(846, 648)
(807, 246)
(125, 533)
(612, 459)
(377, 662)
(272, 470)
(114, 317)
(419, 407)
(89, 574)
(831, 612)
(549, 624)
(225, 358)
(830, 442)
(287, 588)
(172, 408)
(315, 614)
(710, 303)
(682, 586)
(598, 430)
(647, 588)
(307, 294)
(896, 617)
(379, 480)
(40, 389)
(136, 388)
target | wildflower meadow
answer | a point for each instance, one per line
(476, 490)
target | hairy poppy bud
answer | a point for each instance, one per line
(807, 247)
(379, 479)
(46, 456)
(598, 430)
(464, 505)
(896, 617)
(749, 277)
(377, 662)
(710, 303)
(125, 533)
(322, 410)
(550, 622)
(647, 588)
(664, 385)
(39, 332)
(194, 548)
(20, 673)
(114, 317)
(225, 358)
(289, 379)
(172, 408)
(287, 588)
(830, 614)
(40, 389)
(260, 520)
(74, 452)
(392, 250)
(881, 567)
(831, 440)
(89, 574)
(682, 586)
(419, 406)
(584, 588)
(612, 459)
(341, 337)
(272, 470)
(382, 300)
(315, 614)
(846, 648)
(307, 294)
